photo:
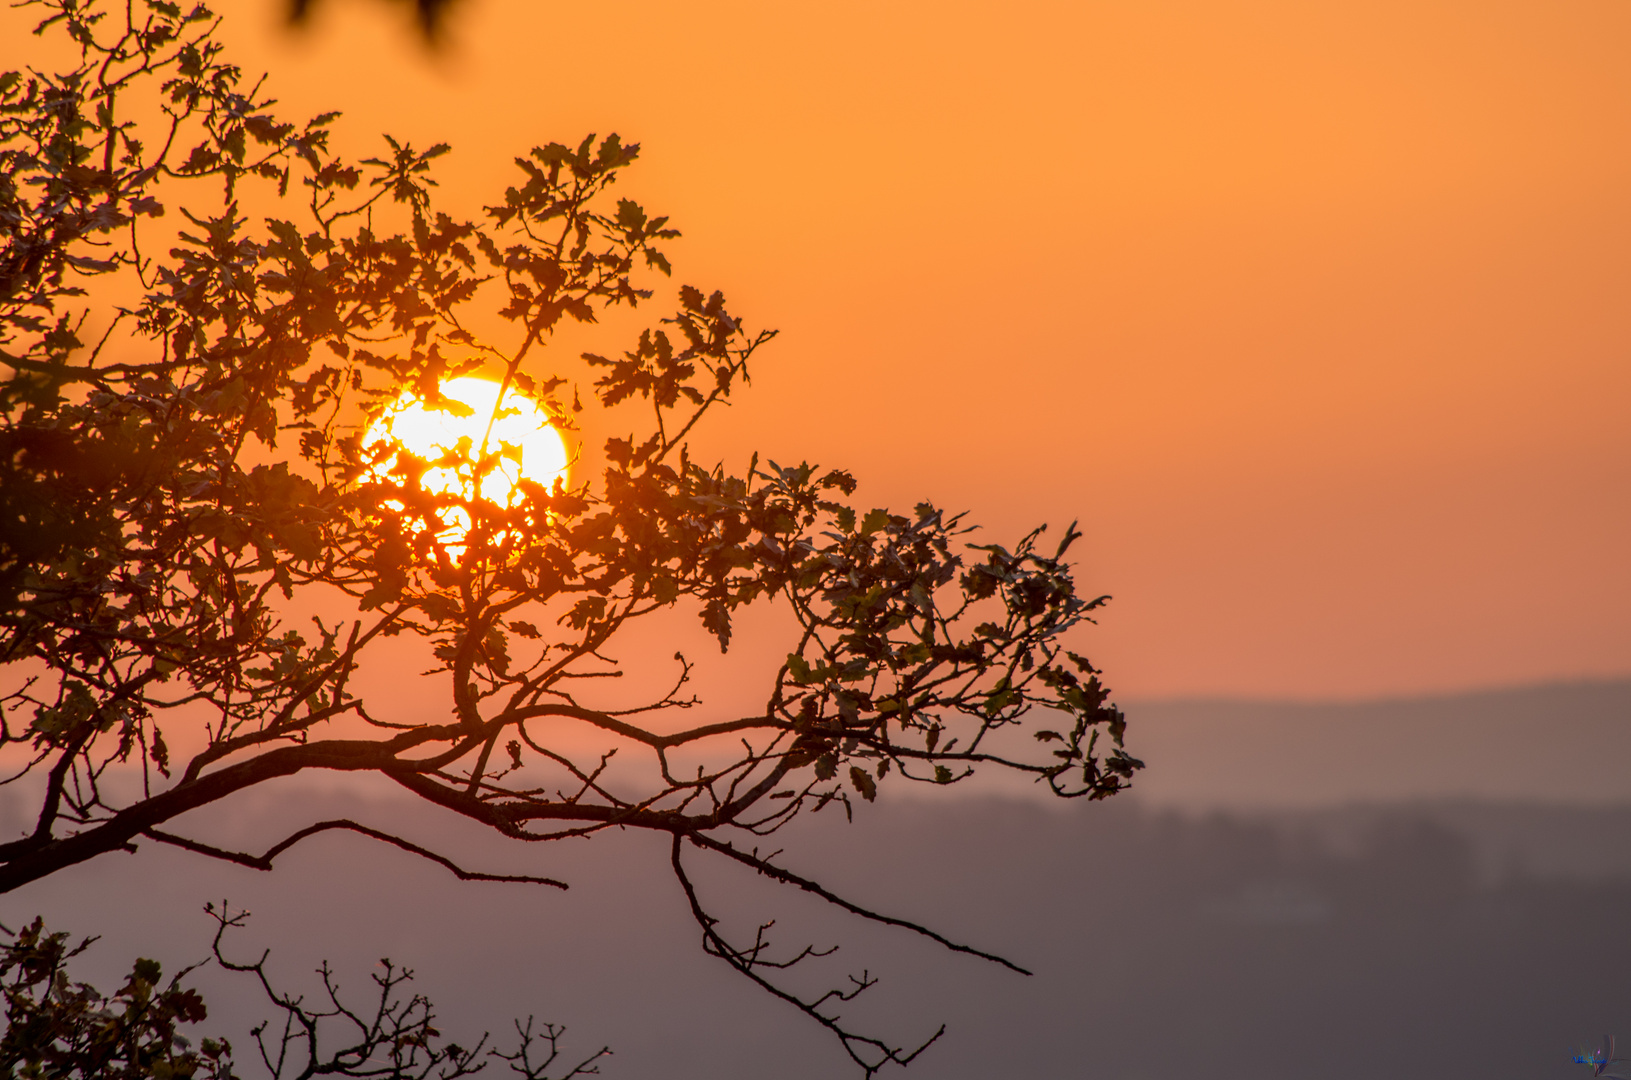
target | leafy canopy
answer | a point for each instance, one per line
(183, 466)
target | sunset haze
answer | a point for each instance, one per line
(1315, 315)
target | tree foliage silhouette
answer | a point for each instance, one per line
(185, 463)
(58, 1027)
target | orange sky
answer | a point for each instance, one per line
(1316, 314)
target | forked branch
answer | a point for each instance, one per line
(264, 861)
(867, 1051)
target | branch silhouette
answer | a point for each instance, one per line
(264, 862)
(58, 1026)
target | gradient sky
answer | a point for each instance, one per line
(1317, 315)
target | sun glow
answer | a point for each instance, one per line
(521, 436)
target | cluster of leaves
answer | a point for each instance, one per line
(58, 1027)
(177, 472)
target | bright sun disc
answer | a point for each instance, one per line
(432, 433)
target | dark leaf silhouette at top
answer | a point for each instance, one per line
(429, 15)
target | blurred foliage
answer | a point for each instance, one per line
(429, 15)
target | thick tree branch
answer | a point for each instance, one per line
(119, 829)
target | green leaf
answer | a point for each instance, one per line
(875, 520)
(1001, 697)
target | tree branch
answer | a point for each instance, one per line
(264, 862)
(747, 962)
(787, 877)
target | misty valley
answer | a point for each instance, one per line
(1399, 937)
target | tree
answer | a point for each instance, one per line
(186, 460)
(61, 1028)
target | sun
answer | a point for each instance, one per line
(527, 443)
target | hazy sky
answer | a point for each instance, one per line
(1315, 314)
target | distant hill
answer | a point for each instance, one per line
(1239, 920)
(1566, 743)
